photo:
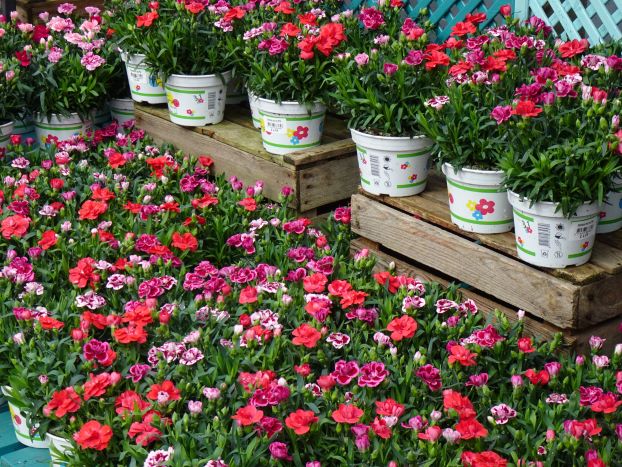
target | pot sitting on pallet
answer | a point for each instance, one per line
(610, 218)
(392, 165)
(288, 127)
(546, 238)
(26, 129)
(6, 130)
(145, 85)
(60, 127)
(59, 448)
(197, 100)
(28, 437)
(122, 110)
(478, 202)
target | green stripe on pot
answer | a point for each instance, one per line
(34, 438)
(612, 221)
(423, 152)
(4, 138)
(361, 150)
(410, 185)
(187, 117)
(475, 190)
(122, 112)
(473, 221)
(292, 119)
(523, 216)
(525, 250)
(59, 128)
(578, 255)
(365, 181)
(184, 91)
(148, 94)
(292, 146)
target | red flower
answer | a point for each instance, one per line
(23, 57)
(16, 225)
(206, 161)
(83, 274)
(461, 404)
(308, 19)
(128, 402)
(132, 333)
(436, 58)
(573, 47)
(248, 415)
(482, 459)
(463, 28)
(306, 335)
(303, 370)
(144, 433)
(48, 240)
(93, 435)
(432, 433)
(339, 287)
(206, 201)
(385, 279)
(248, 295)
(97, 384)
(300, 421)
(63, 402)
(47, 323)
(403, 327)
(541, 377)
(475, 18)
(352, 297)
(390, 408)
(506, 10)
(167, 387)
(185, 241)
(285, 8)
(234, 13)
(380, 427)
(315, 283)
(470, 429)
(460, 68)
(92, 209)
(494, 64)
(102, 194)
(249, 204)
(347, 413)
(461, 355)
(525, 345)
(147, 19)
(608, 403)
(526, 109)
(40, 32)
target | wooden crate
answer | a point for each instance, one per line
(29, 10)
(321, 176)
(419, 227)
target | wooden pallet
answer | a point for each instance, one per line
(320, 176)
(13, 453)
(420, 229)
(29, 10)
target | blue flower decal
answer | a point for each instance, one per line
(477, 215)
(294, 140)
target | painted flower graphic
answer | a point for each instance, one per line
(412, 178)
(471, 205)
(294, 140)
(585, 245)
(451, 198)
(477, 215)
(405, 165)
(190, 111)
(301, 132)
(520, 240)
(138, 87)
(485, 206)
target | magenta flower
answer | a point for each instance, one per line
(361, 59)
(371, 18)
(345, 372)
(501, 113)
(279, 451)
(389, 69)
(372, 374)
(431, 376)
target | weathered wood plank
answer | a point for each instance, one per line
(506, 278)
(322, 153)
(600, 301)
(327, 182)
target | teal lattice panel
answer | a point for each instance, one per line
(444, 14)
(596, 20)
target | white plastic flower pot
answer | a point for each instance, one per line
(22, 433)
(145, 84)
(122, 110)
(60, 128)
(252, 102)
(478, 202)
(26, 129)
(393, 166)
(197, 100)
(235, 91)
(610, 218)
(6, 130)
(548, 239)
(101, 117)
(58, 447)
(287, 127)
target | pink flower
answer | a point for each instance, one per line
(389, 69)
(66, 8)
(501, 113)
(361, 59)
(502, 413)
(91, 61)
(431, 376)
(371, 18)
(437, 102)
(279, 451)
(372, 374)
(345, 372)
(477, 380)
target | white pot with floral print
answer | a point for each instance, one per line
(546, 238)
(197, 100)
(145, 84)
(478, 202)
(122, 110)
(6, 130)
(59, 448)
(392, 165)
(25, 436)
(60, 128)
(610, 218)
(287, 127)
(252, 102)
(26, 129)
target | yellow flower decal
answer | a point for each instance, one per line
(471, 205)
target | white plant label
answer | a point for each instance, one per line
(582, 230)
(275, 125)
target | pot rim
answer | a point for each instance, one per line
(476, 171)
(393, 138)
(174, 75)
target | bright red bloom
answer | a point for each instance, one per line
(347, 413)
(102, 194)
(48, 240)
(131, 333)
(460, 68)
(147, 19)
(185, 241)
(16, 225)
(432, 433)
(248, 415)
(204, 202)
(47, 323)
(463, 28)
(24, 57)
(167, 387)
(308, 19)
(525, 345)
(461, 404)
(290, 30)
(93, 435)
(608, 403)
(461, 355)
(285, 8)
(144, 433)
(527, 109)
(436, 58)
(506, 10)
(475, 18)
(385, 279)
(380, 427)
(505, 54)
(339, 287)
(206, 161)
(470, 428)
(326, 382)
(249, 204)
(234, 13)
(482, 459)
(390, 408)
(403, 327)
(83, 273)
(494, 64)
(158, 164)
(352, 297)
(303, 370)
(315, 283)
(97, 384)
(300, 421)
(92, 209)
(128, 402)
(63, 402)
(573, 47)
(541, 377)
(248, 295)
(306, 335)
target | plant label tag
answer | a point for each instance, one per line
(275, 125)
(583, 229)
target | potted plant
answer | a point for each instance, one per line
(120, 101)
(376, 84)
(189, 51)
(560, 162)
(288, 76)
(71, 76)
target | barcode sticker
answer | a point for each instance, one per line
(211, 100)
(138, 75)
(544, 235)
(583, 230)
(275, 125)
(374, 165)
